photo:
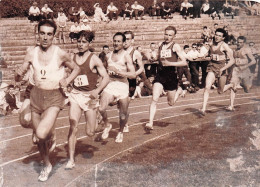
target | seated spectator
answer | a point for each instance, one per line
(99, 14)
(3, 104)
(204, 50)
(82, 14)
(154, 10)
(103, 55)
(62, 23)
(34, 13)
(256, 9)
(206, 34)
(74, 30)
(186, 9)
(47, 13)
(85, 26)
(205, 8)
(215, 9)
(165, 11)
(138, 10)
(196, 8)
(74, 14)
(112, 11)
(11, 99)
(127, 12)
(227, 10)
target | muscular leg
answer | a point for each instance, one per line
(210, 79)
(157, 91)
(105, 99)
(221, 84)
(74, 116)
(123, 113)
(91, 118)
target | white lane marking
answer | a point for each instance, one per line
(131, 114)
(140, 123)
(138, 145)
(130, 107)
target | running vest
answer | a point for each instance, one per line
(218, 56)
(119, 65)
(86, 80)
(167, 55)
(47, 77)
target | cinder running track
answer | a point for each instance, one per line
(20, 162)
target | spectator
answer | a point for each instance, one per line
(256, 9)
(62, 23)
(85, 26)
(3, 63)
(154, 10)
(152, 57)
(11, 99)
(206, 34)
(74, 14)
(205, 8)
(204, 53)
(82, 14)
(255, 52)
(138, 10)
(196, 8)
(186, 9)
(99, 14)
(47, 13)
(215, 8)
(34, 13)
(230, 39)
(3, 103)
(103, 54)
(165, 11)
(112, 11)
(227, 10)
(127, 12)
(74, 30)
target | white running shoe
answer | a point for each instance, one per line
(44, 175)
(230, 108)
(126, 128)
(149, 126)
(119, 137)
(105, 133)
(70, 165)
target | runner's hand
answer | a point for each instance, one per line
(63, 83)
(94, 94)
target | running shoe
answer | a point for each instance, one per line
(70, 165)
(119, 137)
(230, 108)
(149, 126)
(105, 133)
(44, 175)
(126, 128)
(203, 113)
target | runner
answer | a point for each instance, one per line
(46, 98)
(219, 52)
(84, 96)
(166, 77)
(241, 73)
(120, 67)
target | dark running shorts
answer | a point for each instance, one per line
(168, 79)
(41, 99)
(132, 87)
(28, 91)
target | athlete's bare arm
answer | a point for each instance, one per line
(130, 67)
(249, 54)
(229, 56)
(139, 62)
(183, 62)
(97, 63)
(21, 71)
(67, 61)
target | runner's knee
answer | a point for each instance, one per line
(73, 126)
(41, 134)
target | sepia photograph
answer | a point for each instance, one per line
(127, 93)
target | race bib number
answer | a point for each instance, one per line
(166, 53)
(43, 74)
(215, 57)
(81, 80)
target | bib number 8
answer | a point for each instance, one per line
(81, 80)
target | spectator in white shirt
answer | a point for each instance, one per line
(34, 13)
(186, 9)
(112, 11)
(82, 14)
(47, 13)
(85, 26)
(205, 8)
(138, 10)
(99, 14)
(62, 22)
(74, 30)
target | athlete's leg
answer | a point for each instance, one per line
(210, 79)
(25, 116)
(157, 91)
(105, 99)
(221, 84)
(123, 112)
(91, 120)
(74, 117)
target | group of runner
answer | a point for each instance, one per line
(91, 88)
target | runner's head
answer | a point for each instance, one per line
(220, 35)
(241, 40)
(46, 30)
(84, 40)
(169, 34)
(119, 40)
(129, 39)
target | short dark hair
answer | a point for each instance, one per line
(10, 86)
(242, 38)
(205, 27)
(105, 46)
(129, 32)
(222, 31)
(48, 23)
(88, 35)
(152, 43)
(215, 24)
(199, 45)
(171, 28)
(194, 44)
(186, 46)
(120, 34)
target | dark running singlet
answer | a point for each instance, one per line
(86, 80)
